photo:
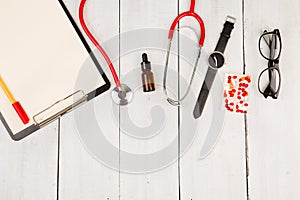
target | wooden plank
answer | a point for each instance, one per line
(273, 124)
(28, 168)
(83, 175)
(220, 173)
(150, 174)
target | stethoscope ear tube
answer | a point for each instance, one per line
(190, 13)
(169, 99)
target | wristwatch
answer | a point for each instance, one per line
(216, 60)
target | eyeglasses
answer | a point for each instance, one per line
(269, 80)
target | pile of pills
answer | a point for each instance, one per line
(236, 93)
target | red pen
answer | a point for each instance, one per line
(16, 105)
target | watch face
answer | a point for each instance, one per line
(216, 60)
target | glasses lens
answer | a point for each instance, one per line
(269, 81)
(270, 46)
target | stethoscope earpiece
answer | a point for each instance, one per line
(190, 13)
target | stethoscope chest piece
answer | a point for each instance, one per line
(122, 95)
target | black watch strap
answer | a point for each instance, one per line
(211, 73)
(203, 95)
(225, 34)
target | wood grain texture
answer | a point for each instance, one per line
(28, 168)
(273, 124)
(160, 183)
(220, 175)
(82, 175)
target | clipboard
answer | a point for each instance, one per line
(41, 53)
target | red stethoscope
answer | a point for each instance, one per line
(190, 13)
(122, 94)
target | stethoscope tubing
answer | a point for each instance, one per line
(190, 13)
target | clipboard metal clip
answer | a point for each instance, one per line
(59, 108)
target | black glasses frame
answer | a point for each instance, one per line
(271, 89)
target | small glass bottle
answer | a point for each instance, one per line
(147, 75)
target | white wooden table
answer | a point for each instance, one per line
(256, 157)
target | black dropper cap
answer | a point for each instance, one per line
(145, 65)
